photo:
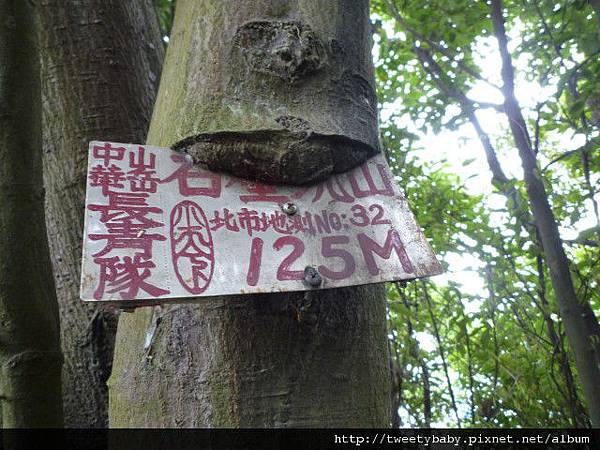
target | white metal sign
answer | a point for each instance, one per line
(156, 227)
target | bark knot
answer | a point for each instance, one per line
(289, 50)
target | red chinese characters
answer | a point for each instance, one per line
(192, 247)
(193, 181)
(364, 185)
(127, 223)
(107, 178)
(130, 223)
(108, 152)
(258, 192)
(142, 176)
(126, 277)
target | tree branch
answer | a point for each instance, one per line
(438, 338)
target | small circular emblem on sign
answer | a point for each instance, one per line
(192, 249)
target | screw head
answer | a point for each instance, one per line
(312, 277)
(289, 208)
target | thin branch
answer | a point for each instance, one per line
(492, 311)
(438, 338)
(536, 140)
(469, 365)
(562, 156)
(416, 353)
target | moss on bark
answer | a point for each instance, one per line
(316, 359)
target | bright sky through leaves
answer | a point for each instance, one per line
(458, 150)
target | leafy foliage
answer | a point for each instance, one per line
(488, 349)
(165, 10)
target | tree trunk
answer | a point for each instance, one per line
(30, 359)
(556, 259)
(101, 62)
(280, 91)
(570, 391)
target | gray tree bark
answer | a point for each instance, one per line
(279, 90)
(276, 90)
(101, 61)
(30, 359)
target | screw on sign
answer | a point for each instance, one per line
(159, 229)
(312, 277)
(289, 208)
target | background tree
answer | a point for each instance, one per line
(101, 62)
(30, 358)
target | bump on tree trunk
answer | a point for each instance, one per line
(278, 91)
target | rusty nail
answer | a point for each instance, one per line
(289, 208)
(312, 277)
